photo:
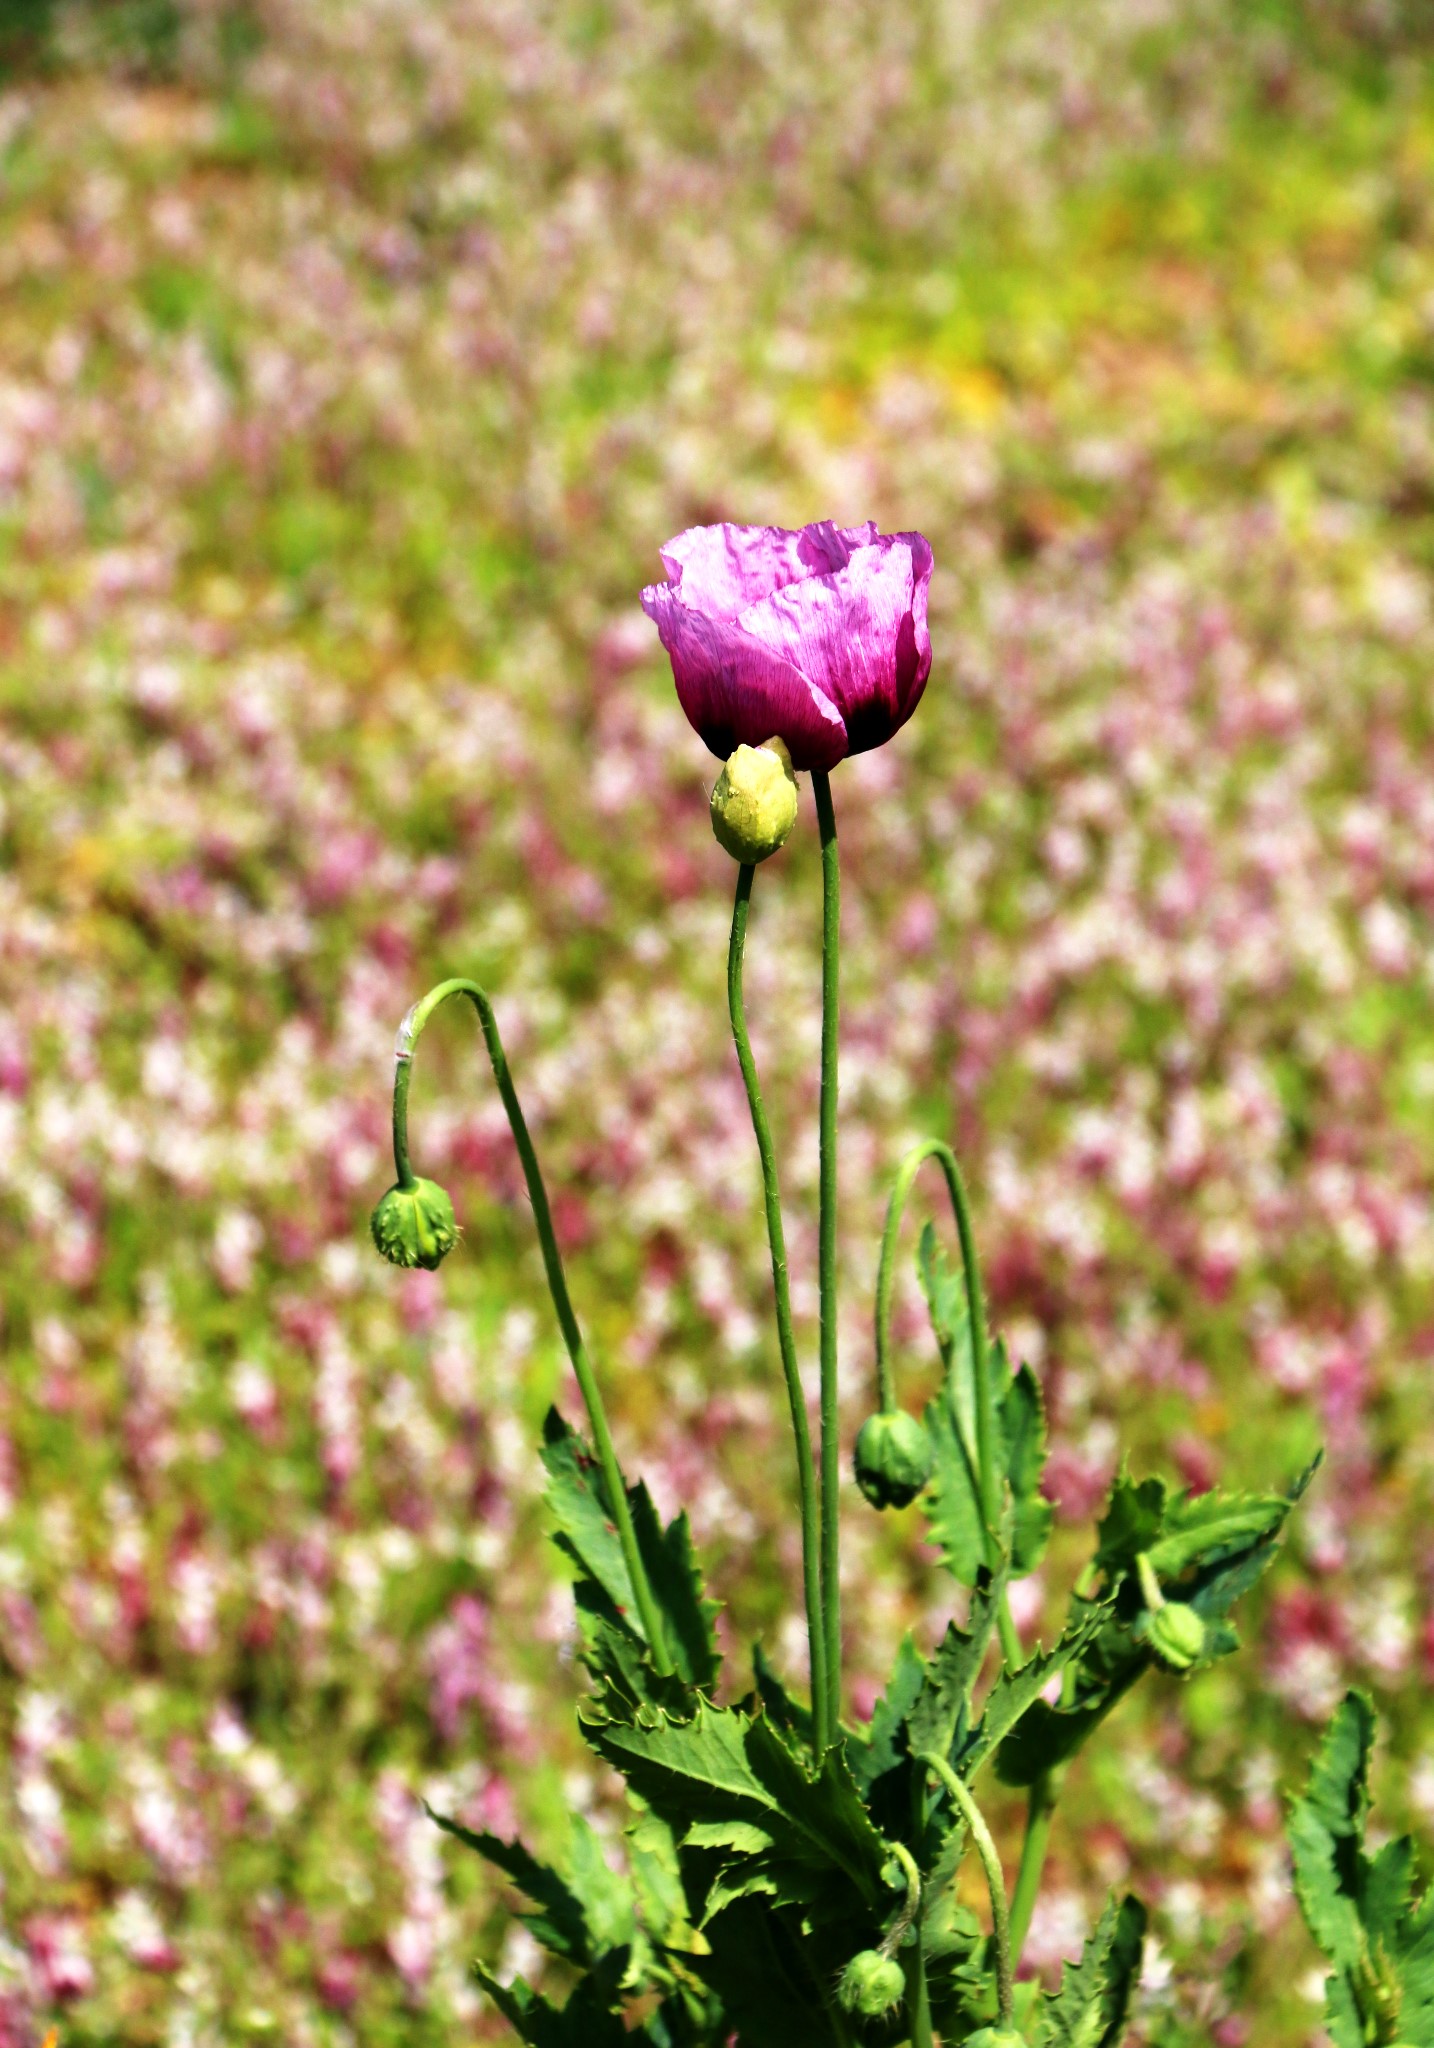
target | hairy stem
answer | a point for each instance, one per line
(827, 1244)
(822, 1731)
(408, 1036)
(988, 1473)
(991, 1864)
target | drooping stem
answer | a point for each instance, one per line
(822, 1729)
(1040, 1812)
(991, 1864)
(827, 1242)
(988, 1470)
(408, 1036)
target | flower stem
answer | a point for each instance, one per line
(827, 1244)
(989, 1478)
(1040, 1812)
(822, 1731)
(918, 1999)
(409, 1033)
(991, 1863)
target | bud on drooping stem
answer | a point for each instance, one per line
(754, 803)
(872, 1984)
(414, 1224)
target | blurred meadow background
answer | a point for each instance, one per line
(355, 358)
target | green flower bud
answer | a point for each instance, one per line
(893, 1459)
(1176, 1633)
(754, 805)
(414, 1225)
(872, 1984)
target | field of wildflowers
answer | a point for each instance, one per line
(355, 358)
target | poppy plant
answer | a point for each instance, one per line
(816, 637)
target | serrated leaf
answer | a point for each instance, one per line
(588, 2020)
(723, 1766)
(1209, 1528)
(585, 1532)
(560, 1924)
(1089, 2008)
(1016, 1693)
(952, 1502)
(781, 1709)
(1360, 1909)
(771, 1993)
(1133, 1519)
(940, 1710)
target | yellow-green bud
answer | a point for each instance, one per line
(414, 1225)
(1176, 1633)
(893, 1459)
(872, 1984)
(754, 805)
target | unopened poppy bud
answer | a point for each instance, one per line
(1176, 1633)
(872, 1984)
(414, 1225)
(893, 1459)
(754, 805)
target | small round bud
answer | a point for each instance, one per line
(1176, 1633)
(893, 1459)
(872, 1984)
(754, 805)
(414, 1225)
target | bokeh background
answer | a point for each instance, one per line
(355, 358)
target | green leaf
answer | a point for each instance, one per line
(941, 1708)
(773, 1992)
(1223, 1544)
(781, 1709)
(588, 2020)
(881, 1749)
(952, 1501)
(1016, 1693)
(585, 1532)
(561, 1923)
(1360, 1909)
(1089, 2009)
(723, 1767)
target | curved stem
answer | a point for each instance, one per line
(822, 1731)
(991, 1863)
(988, 1473)
(902, 1923)
(409, 1033)
(827, 1243)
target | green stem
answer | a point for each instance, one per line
(827, 1243)
(408, 1036)
(822, 1730)
(991, 1863)
(1040, 1812)
(918, 1999)
(988, 1472)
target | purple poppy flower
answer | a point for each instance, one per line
(817, 638)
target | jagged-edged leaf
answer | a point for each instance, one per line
(952, 1502)
(872, 1755)
(940, 1710)
(1221, 1561)
(560, 1923)
(1361, 1909)
(585, 1532)
(590, 2019)
(773, 1991)
(723, 1766)
(777, 1703)
(1089, 2009)
(1016, 1693)
(657, 1887)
